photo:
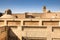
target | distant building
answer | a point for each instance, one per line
(30, 26)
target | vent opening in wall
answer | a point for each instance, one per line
(31, 23)
(56, 39)
(1, 22)
(56, 29)
(50, 23)
(34, 38)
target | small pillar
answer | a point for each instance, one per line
(5, 22)
(59, 23)
(40, 22)
(49, 28)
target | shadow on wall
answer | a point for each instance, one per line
(11, 35)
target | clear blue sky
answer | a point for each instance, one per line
(18, 6)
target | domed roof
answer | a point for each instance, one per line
(7, 14)
(8, 11)
(44, 7)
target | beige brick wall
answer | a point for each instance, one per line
(31, 23)
(13, 23)
(19, 15)
(3, 36)
(35, 29)
(3, 33)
